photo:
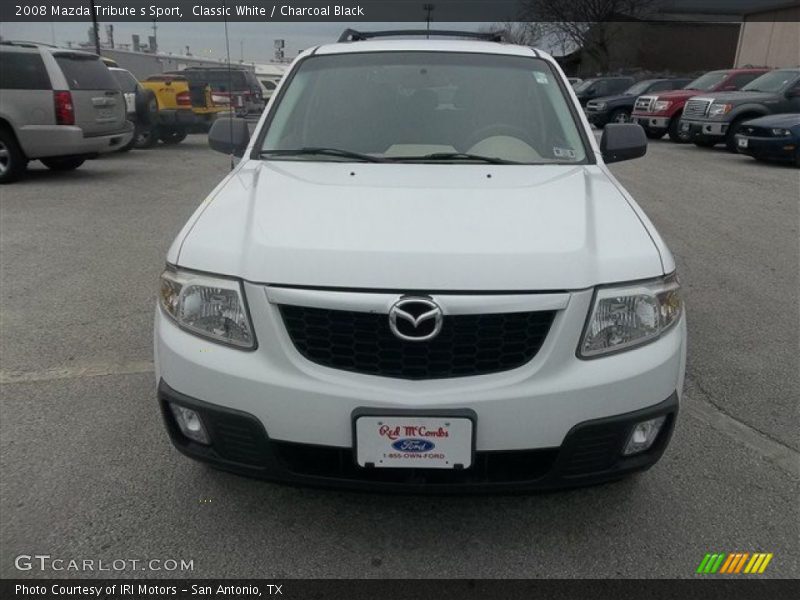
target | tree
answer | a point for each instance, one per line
(524, 34)
(588, 25)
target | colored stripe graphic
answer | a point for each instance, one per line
(734, 562)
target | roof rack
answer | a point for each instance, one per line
(351, 35)
(25, 44)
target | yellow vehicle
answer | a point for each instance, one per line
(183, 108)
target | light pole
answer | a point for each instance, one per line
(428, 8)
(95, 30)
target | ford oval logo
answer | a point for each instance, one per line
(413, 445)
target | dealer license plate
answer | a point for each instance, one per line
(414, 442)
(742, 142)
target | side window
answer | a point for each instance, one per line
(618, 85)
(23, 71)
(741, 79)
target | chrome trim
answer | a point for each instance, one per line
(434, 311)
(450, 304)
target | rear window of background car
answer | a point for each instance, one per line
(86, 73)
(126, 81)
(23, 71)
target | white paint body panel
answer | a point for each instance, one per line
(389, 229)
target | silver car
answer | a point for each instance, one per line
(59, 106)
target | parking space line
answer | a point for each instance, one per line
(97, 370)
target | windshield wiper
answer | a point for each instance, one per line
(456, 156)
(323, 152)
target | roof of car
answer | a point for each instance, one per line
(417, 45)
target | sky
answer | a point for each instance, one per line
(253, 41)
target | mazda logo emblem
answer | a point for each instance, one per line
(415, 319)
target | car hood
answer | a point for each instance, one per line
(786, 120)
(419, 227)
(616, 99)
(740, 97)
(677, 95)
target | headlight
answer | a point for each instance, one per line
(717, 110)
(661, 105)
(627, 316)
(780, 132)
(211, 307)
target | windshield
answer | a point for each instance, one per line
(774, 81)
(707, 82)
(638, 88)
(584, 85)
(426, 106)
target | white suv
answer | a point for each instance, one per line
(421, 276)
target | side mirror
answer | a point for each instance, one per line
(622, 141)
(229, 136)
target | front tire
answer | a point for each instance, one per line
(145, 137)
(12, 160)
(654, 134)
(172, 136)
(675, 133)
(620, 115)
(62, 163)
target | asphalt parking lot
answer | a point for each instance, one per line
(88, 472)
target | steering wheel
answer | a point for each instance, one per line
(497, 129)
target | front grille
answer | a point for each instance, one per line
(467, 344)
(696, 109)
(644, 104)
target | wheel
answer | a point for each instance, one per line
(145, 137)
(172, 136)
(675, 133)
(620, 115)
(730, 136)
(146, 107)
(654, 134)
(63, 163)
(12, 160)
(704, 143)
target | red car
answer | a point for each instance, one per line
(661, 113)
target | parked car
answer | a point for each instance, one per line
(618, 108)
(395, 290)
(237, 88)
(57, 105)
(661, 113)
(774, 137)
(183, 108)
(714, 119)
(601, 86)
(140, 103)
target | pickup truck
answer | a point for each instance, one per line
(661, 113)
(712, 119)
(183, 108)
(618, 108)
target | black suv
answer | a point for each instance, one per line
(710, 120)
(601, 86)
(237, 87)
(618, 108)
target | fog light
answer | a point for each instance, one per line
(190, 424)
(643, 435)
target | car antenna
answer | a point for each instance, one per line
(230, 81)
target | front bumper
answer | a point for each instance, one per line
(651, 122)
(531, 409)
(707, 130)
(598, 118)
(590, 454)
(768, 148)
